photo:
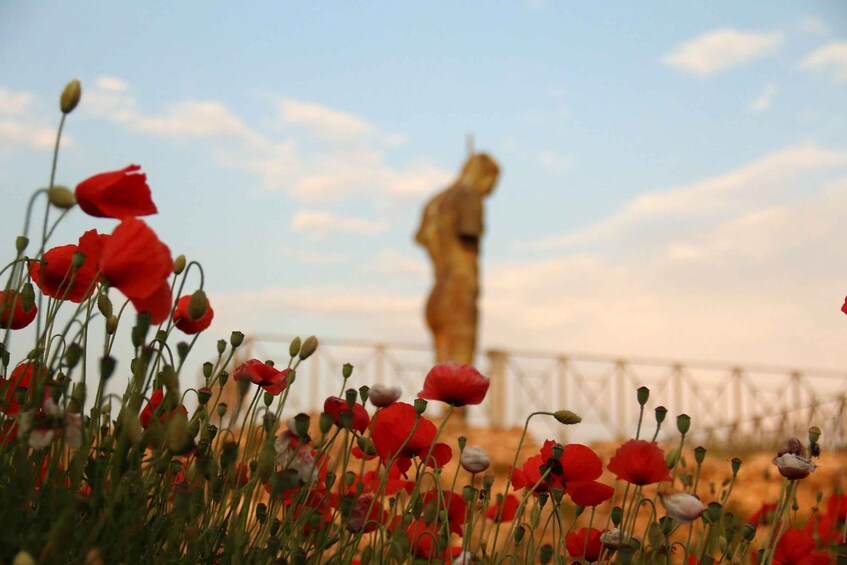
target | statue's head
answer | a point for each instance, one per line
(480, 173)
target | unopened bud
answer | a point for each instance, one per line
(309, 347)
(294, 347)
(61, 197)
(566, 417)
(236, 339)
(367, 446)
(107, 367)
(20, 243)
(364, 392)
(23, 558)
(179, 264)
(672, 457)
(699, 454)
(346, 370)
(350, 396)
(545, 553)
(197, 305)
(221, 346)
(77, 400)
(814, 434)
(661, 412)
(643, 395)
(72, 355)
(325, 422)
(78, 259)
(683, 423)
(70, 96)
(617, 515)
(736, 465)
(111, 325)
(104, 305)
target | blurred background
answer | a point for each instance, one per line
(674, 176)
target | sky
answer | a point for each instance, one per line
(674, 175)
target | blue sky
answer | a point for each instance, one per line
(674, 175)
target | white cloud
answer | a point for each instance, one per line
(112, 84)
(314, 256)
(755, 184)
(323, 122)
(352, 164)
(320, 225)
(830, 59)
(722, 49)
(17, 134)
(12, 102)
(763, 101)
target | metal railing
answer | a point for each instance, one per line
(757, 405)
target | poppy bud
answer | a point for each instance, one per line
(462, 441)
(78, 259)
(350, 397)
(520, 531)
(681, 506)
(699, 454)
(329, 480)
(203, 395)
(367, 446)
(294, 347)
(643, 395)
(345, 419)
(261, 512)
(683, 423)
(364, 392)
(207, 369)
(61, 197)
(182, 349)
(70, 96)
(713, 513)
(229, 454)
(209, 433)
(617, 515)
(309, 347)
(130, 426)
(325, 422)
(236, 339)
(346, 370)
(168, 378)
(382, 396)
(104, 305)
(748, 531)
(197, 305)
(139, 331)
(474, 460)
(179, 264)
(221, 409)
(661, 412)
(265, 466)
(77, 400)
(814, 434)
(268, 399)
(111, 325)
(301, 424)
(420, 406)
(107, 367)
(545, 553)
(566, 417)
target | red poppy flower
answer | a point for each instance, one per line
(423, 538)
(366, 515)
(836, 507)
(844, 306)
(454, 384)
(56, 276)
(576, 472)
(135, 262)
(639, 462)
(21, 377)
(269, 378)
(183, 321)
(116, 194)
(510, 508)
(796, 547)
(334, 406)
(393, 425)
(584, 544)
(13, 316)
(454, 504)
(153, 406)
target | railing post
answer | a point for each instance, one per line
(498, 417)
(379, 363)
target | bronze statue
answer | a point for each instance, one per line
(450, 229)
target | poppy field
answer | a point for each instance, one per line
(167, 472)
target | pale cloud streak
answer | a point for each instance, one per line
(752, 184)
(318, 225)
(830, 59)
(722, 49)
(14, 102)
(19, 130)
(763, 101)
(351, 162)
